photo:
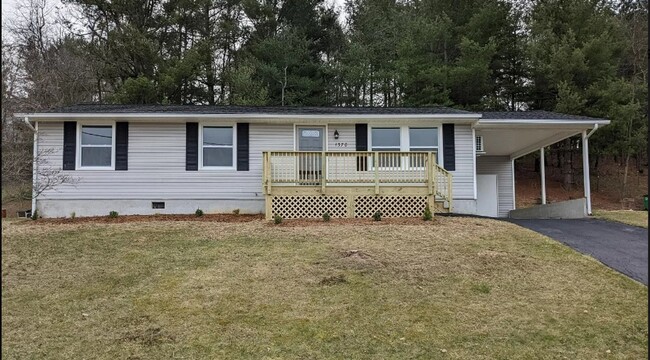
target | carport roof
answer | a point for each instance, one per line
(534, 115)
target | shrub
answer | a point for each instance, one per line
(198, 212)
(236, 211)
(73, 215)
(377, 216)
(113, 214)
(427, 213)
(35, 215)
(326, 216)
(277, 219)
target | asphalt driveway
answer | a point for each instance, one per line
(619, 246)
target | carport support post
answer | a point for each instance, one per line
(585, 170)
(542, 171)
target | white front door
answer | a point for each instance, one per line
(487, 197)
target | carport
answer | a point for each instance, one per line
(503, 137)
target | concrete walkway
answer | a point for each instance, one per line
(619, 246)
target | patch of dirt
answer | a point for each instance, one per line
(356, 254)
(492, 253)
(150, 336)
(146, 218)
(606, 184)
(334, 280)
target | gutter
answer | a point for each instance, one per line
(248, 116)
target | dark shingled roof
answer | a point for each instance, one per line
(222, 109)
(311, 110)
(532, 115)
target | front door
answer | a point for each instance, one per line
(312, 139)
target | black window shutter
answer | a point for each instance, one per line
(69, 145)
(361, 136)
(449, 147)
(121, 145)
(191, 146)
(242, 147)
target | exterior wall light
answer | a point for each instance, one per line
(336, 134)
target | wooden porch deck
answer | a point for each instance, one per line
(303, 184)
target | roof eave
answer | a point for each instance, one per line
(484, 123)
(262, 116)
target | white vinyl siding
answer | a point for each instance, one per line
(463, 176)
(501, 167)
(347, 140)
(157, 164)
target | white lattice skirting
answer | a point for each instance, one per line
(339, 206)
(390, 206)
(301, 207)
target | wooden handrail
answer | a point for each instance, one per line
(367, 168)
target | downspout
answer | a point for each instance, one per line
(585, 166)
(592, 131)
(34, 162)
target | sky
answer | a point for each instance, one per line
(10, 7)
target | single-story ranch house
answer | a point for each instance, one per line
(290, 161)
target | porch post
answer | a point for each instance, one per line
(585, 170)
(542, 171)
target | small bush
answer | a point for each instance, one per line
(198, 212)
(427, 213)
(35, 215)
(73, 215)
(377, 216)
(113, 214)
(277, 219)
(236, 211)
(326, 216)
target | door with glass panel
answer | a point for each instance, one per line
(310, 139)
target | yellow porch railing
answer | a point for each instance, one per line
(386, 173)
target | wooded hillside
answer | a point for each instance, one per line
(585, 57)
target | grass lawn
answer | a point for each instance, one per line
(630, 217)
(457, 288)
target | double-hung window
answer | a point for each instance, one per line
(96, 146)
(405, 139)
(387, 139)
(423, 139)
(218, 147)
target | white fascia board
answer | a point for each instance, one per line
(484, 123)
(259, 117)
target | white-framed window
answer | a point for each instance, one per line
(96, 146)
(387, 139)
(404, 139)
(423, 139)
(479, 144)
(217, 147)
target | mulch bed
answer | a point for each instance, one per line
(231, 218)
(145, 218)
